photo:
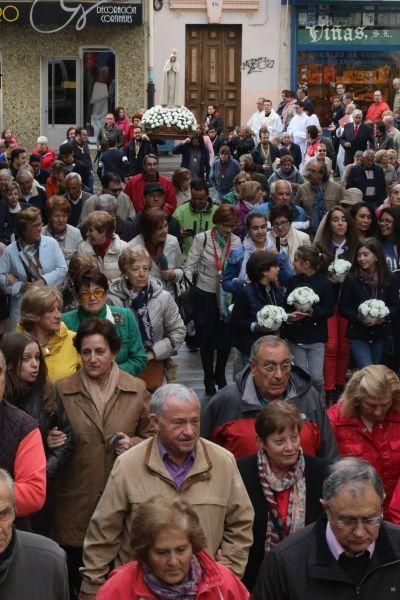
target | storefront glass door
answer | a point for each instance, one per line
(98, 94)
(61, 95)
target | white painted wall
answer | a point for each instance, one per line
(262, 33)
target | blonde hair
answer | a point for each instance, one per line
(248, 191)
(379, 155)
(158, 514)
(374, 381)
(130, 255)
(37, 301)
(102, 221)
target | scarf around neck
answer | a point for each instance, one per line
(271, 486)
(187, 589)
(100, 392)
(317, 209)
(139, 305)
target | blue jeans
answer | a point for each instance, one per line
(366, 354)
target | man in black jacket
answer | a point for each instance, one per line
(31, 566)
(350, 553)
(356, 136)
(136, 150)
(265, 153)
(370, 179)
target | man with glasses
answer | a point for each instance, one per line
(349, 553)
(282, 193)
(110, 184)
(228, 419)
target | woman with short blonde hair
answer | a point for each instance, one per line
(160, 528)
(41, 317)
(366, 422)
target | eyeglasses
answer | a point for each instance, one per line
(138, 269)
(353, 522)
(384, 222)
(92, 294)
(271, 367)
(280, 224)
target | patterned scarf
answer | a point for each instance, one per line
(139, 305)
(318, 208)
(271, 486)
(224, 298)
(187, 589)
(31, 253)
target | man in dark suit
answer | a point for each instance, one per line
(136, 150)
(369, 178)
(355, 137)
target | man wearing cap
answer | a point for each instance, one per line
(47, 155)
(154, 197)
(136, 184)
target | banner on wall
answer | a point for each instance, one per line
(347, 36)
(52, 17)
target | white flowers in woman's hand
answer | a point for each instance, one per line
(338, 269)
(271, 317)
(373, 310)
(302, 295)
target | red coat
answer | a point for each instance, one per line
(135, 186)
(45, 159)
(381, 446)
(217, 583)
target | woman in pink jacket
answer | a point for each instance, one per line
(167, 544)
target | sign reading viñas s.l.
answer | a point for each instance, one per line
(51, 17)
(345, 36)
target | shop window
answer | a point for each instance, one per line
(98, 87)
(61, 77)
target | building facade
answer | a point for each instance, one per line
(64, 67)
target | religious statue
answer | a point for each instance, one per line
(170, 88)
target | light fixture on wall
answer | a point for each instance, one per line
(158, 4)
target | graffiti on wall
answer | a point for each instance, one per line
(257, 65)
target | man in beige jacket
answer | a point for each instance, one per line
(175, 461)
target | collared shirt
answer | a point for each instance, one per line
(75, 201)
(336, 547)
(177, 472)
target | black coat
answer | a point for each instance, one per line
(258, 156)
(32, 404)
(358, 179)
(136, 160)
(354, 292)
(295, 151)
(241, 146)
(313, 329)
(314, 474)
(358, 142)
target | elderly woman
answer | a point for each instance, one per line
(107, 409)
(262, 272)
(233, 196)
(366, 422)
(163, 248)
(167, 545)
(161, 327)
(91, 289)
(284, 236)
(249, 167)
(382, 160)
(69, 238)
(41, 317)
(284, 485)
(32, 260)
(77, 264)
(9, 210)
(207, 259)
(103, 243)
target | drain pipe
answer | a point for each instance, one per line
(150, 82)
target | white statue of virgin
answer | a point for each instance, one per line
(170, 88)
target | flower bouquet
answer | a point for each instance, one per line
(302, 298)
(271, 317)
(373, 311)
(338, 269)
(180, 119)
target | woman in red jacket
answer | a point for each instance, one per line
(167, 545)
(366, 422)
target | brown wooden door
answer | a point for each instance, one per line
(212, 73)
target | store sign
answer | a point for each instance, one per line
(52, 17)
(348, 36)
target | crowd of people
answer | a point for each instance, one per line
(116, 481)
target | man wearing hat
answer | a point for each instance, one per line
(154, 197)
(47, 155)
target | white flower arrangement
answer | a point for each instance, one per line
(302, 298)
(338, 269)
(372, 311)
(271, 317)
(180, 117)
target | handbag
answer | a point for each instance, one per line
(153, 374)
(184, 293)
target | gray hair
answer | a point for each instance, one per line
(177, 390)
(73, 175)
(266, 340)
(396, 80)
(6, 478)
(42, 139)
(23, 173)
(389, 118)
(357, 113)
(272, 185)
(353, 472)
(369, 153)
(108, 203)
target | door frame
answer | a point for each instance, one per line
(56, 133)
